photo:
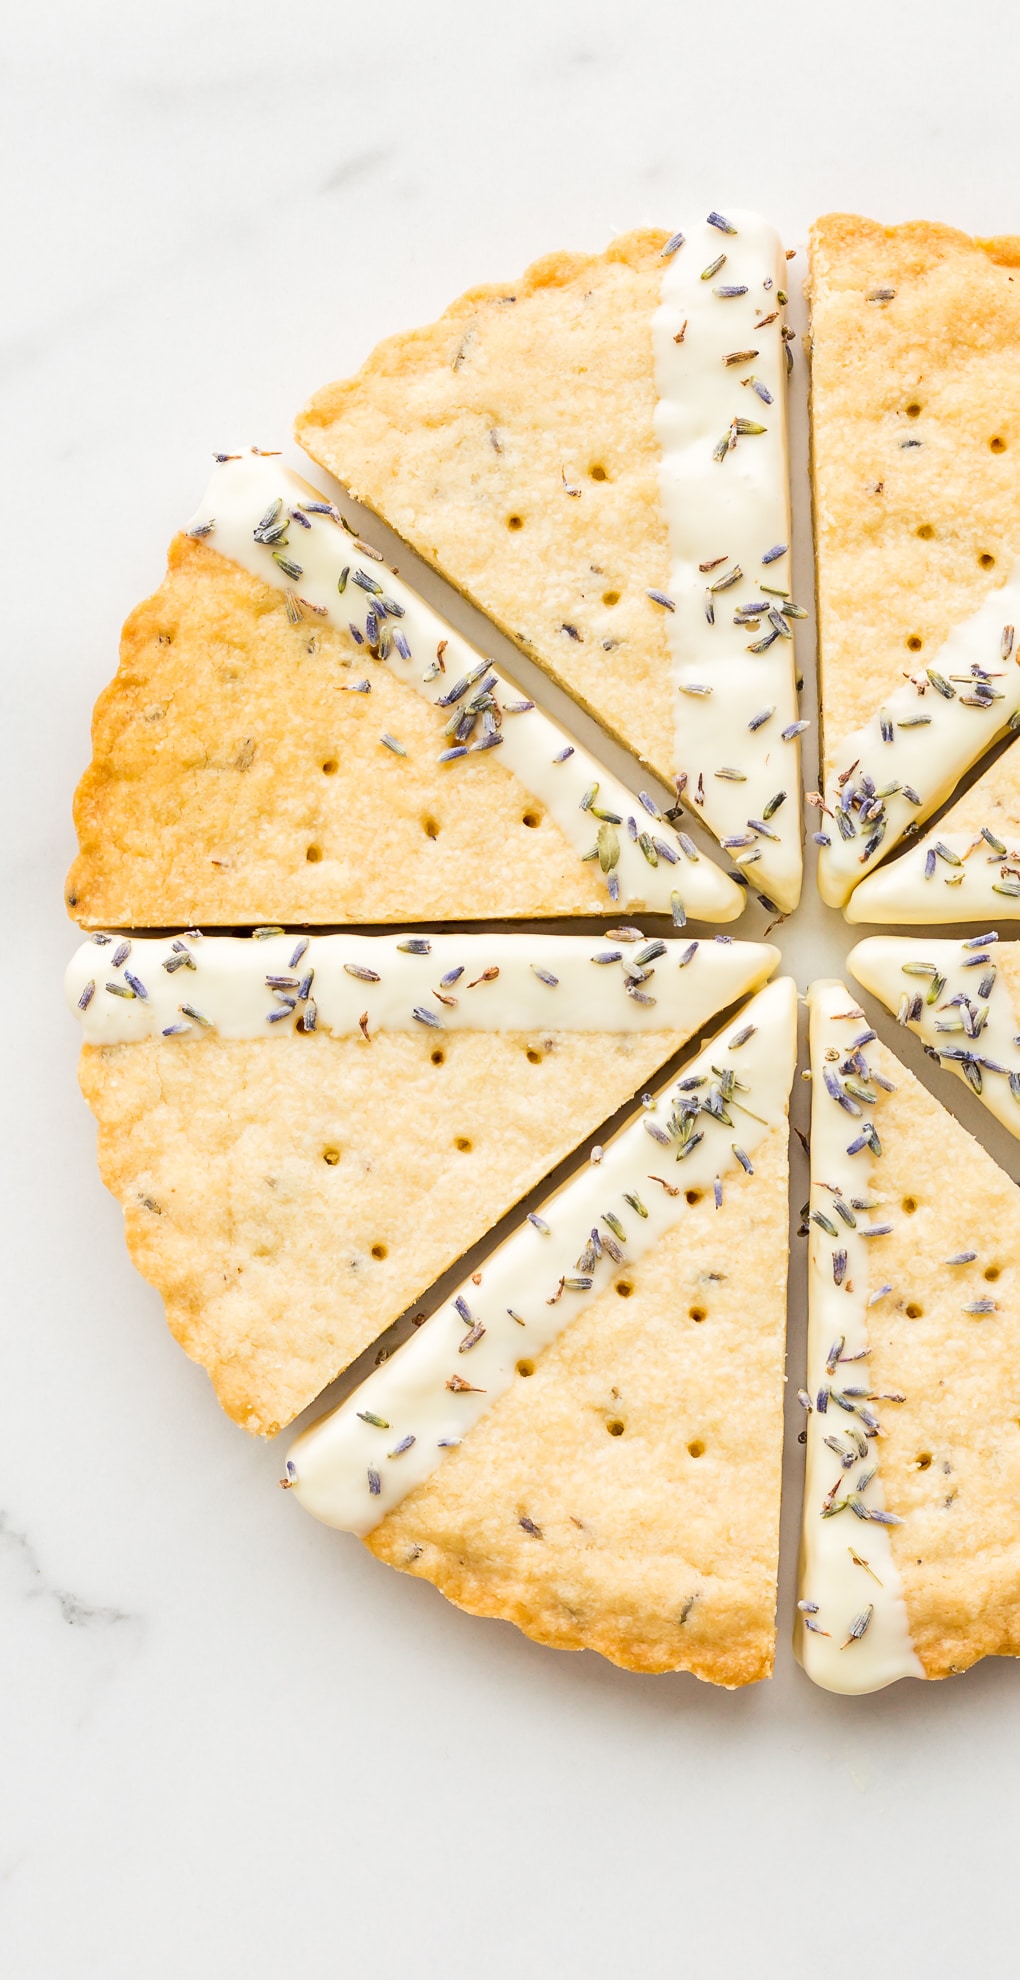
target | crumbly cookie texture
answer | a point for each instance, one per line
(233, 782)
(289, 1200)
(950, 1459)
(624, 1496)
(915, 422)
(511, 443)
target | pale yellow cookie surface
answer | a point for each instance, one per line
(234, 781)
(950, 1459)
(910, 538)
(511, 443)
(290, 1198)
(624, 1495)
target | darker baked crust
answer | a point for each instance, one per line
(234, 783)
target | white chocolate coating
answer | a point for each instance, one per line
(987, 1056)
(839, 1591)
(349, 1472)
(940, 741)
(735, 509)
(453, 983)
(922, 885)
(244, 490)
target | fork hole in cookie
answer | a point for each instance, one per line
(925, 531)
(923, 1460)
(598, 472)
(610, 598)
(915, 643)
(615, 1427)
(532, 819)
(624, 1288)
(986, 561)
(313, 854)
(696, 1448)
(380, 1250)
(693, 1195)
(430, 827)
(909, 1205)
(515, 522)
(525, 1368)
(913, 1311)
(438, 1057)
(461, 1141)
(997, 444)
(913, 410)
(697, 1313)
(331, 1157)
(533, 1057)
(330, 767)
(991, 1273)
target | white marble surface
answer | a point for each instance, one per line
(233, 1744)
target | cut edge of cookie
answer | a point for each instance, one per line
(504, 1451)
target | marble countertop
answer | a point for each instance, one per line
(233, 1743)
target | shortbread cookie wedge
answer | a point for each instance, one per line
(305, 1132)
(962, 999)
(596, 454)
(586, 1440)
(915, 425)
(293, 734)
(910, 1556)
(966, 868)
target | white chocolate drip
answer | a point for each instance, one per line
(243, 494)
(859, 1652)
(733, 512)
(970, 1021)
(922, 741)
(351, 1468)
(246, 987)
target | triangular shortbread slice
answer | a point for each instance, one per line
(967, 867)
(586, 1440)
(597, 455)
(295, 735)
(915, 407)
(910, 1556)
(304, 1133)
(962, 999)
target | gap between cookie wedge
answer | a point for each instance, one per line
(304, 1133)
(915, 411)
(596, 455)
(586, 1438)
(962, 999)
(293, 734)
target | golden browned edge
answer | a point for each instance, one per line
(207, 793)
(926, 237)
(258, 1178)
(358, 429)
(877, 588)
(958, 1553)
(657, 1555)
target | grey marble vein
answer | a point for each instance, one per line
(75, 1610)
